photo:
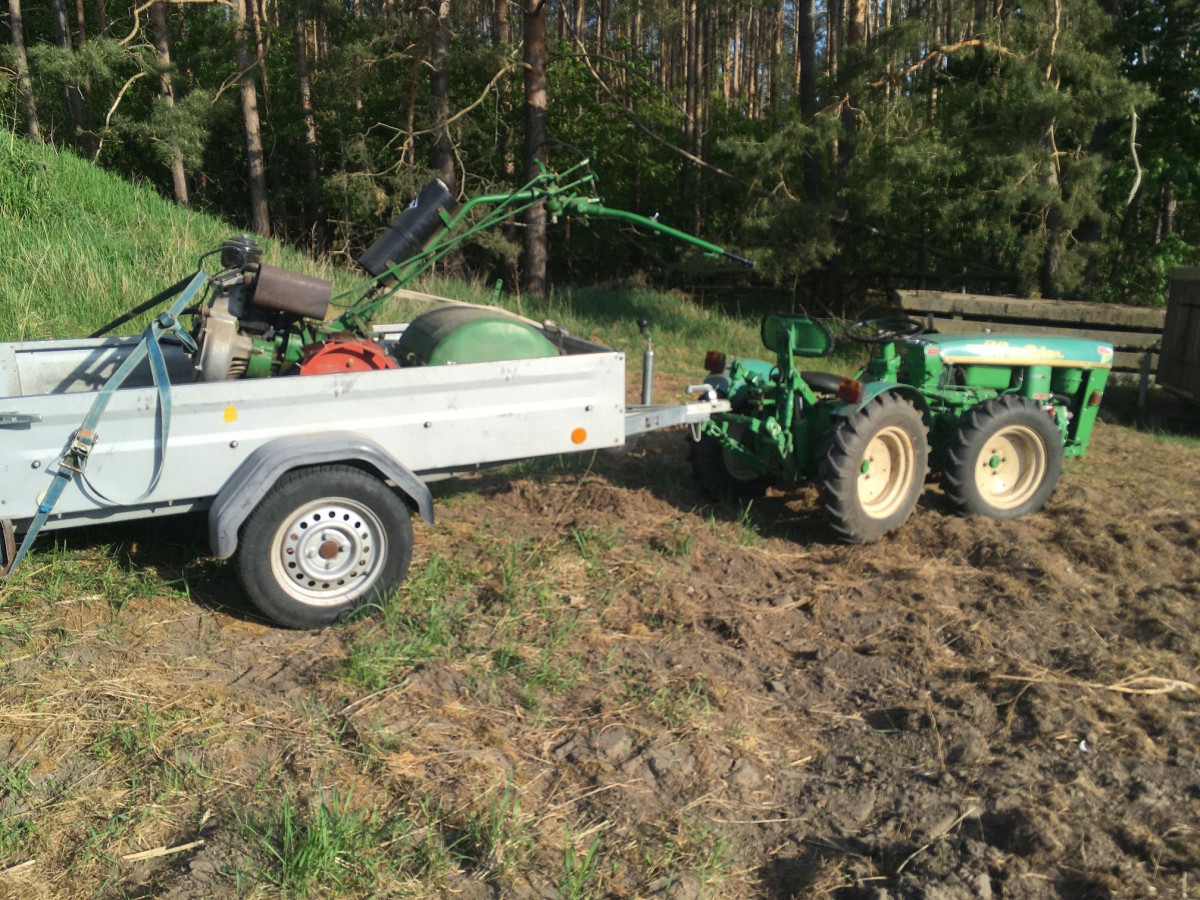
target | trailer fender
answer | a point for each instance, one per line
(876, 388)
(250, 483)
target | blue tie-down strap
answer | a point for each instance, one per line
(73, 462)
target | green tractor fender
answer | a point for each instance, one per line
(873, 389)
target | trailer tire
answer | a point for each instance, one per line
(1003, 459)
(324, 541)
(721, 475)
(873, 468)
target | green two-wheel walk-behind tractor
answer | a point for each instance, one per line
(994, 414)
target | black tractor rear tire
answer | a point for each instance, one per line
(873, 469)
(324, 541)
(1003, 459)
(722, 476)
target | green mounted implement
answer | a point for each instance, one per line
(994, 414)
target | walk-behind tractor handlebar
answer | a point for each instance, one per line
(429, 228)
(264, 321)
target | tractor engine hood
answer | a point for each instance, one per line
(1019, 350)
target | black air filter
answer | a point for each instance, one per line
(411, 230)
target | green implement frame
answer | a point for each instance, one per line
(569, 193)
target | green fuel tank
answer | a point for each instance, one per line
(458, 335)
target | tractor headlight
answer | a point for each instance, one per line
(714, 362)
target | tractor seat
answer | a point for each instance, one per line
(822, 382)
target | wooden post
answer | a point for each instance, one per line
(1144, 380)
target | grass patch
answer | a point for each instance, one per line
(82, 245)
(306, 852)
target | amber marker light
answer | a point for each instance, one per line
(579, 435)
(850, 391)
(714, 362)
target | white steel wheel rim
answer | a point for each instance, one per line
(328, 551)
(1011, 467)
(886, 472)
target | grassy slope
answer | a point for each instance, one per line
(79, 246)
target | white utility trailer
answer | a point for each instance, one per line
(292, 470)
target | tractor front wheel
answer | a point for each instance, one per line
(721, 474)
(873, 469)
(1003, 459)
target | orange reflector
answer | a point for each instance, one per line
(1094, 400)
(714, 362)
(850, 391)
(579, 435)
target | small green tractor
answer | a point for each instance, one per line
(994, 414)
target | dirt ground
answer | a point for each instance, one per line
(598, 685)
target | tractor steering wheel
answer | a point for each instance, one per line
(884, 330)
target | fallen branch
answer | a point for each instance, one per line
(636, 120)
(161, 851)
(1142, 685)
(137, 10)
(938, 53)
(112, 109)
(466, 109)
(971, 811)
(1137, 181)
(232, 80)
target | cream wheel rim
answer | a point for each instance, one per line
(1011, 467)
(886, 472)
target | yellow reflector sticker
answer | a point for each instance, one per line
(230, 414)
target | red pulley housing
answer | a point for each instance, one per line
(344, 355)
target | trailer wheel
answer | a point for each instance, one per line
(1003, 459)
(722, 476)
(872, 469)
(323, 541)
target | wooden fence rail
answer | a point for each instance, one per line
(1134, 331)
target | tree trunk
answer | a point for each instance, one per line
(441, 156)
(535, 143)
(80, 24)
(831, 38)
(24, 85)
(81, 37)
(806, 10)
(162, 44)
(689, 75)
(501, 34)
(1052, 253)
(76, 106)
(856, 39)
(256, 29)
(102, 20)
(796, 60)
(316, 212)
(737, 53)
(259, 217)
(1167, 213)
(776, 59)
